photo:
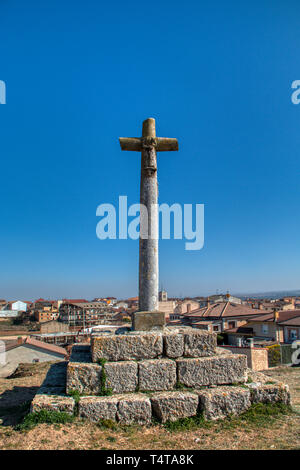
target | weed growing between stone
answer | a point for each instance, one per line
(104, 391)
(75, 394)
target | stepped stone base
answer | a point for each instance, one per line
(211, 379)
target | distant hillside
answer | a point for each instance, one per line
(271, 295)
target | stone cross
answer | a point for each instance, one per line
(148, 144)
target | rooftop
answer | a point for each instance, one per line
(225, 309)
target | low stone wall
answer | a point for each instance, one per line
(257, 358)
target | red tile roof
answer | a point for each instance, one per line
(46, 346)
(36, 343)
(283, 316)
(225, 309)
(291, 322)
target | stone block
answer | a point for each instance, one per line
(173, 345)
(84, 377)
(171, 406)
(52, 403)
(220, 402)
(134, 408)
(270, 393)
(158, 374)
(127, 347)
(265, 389)
(147, 321)
(121, 376)
(214, 370)
(199, 343)
(96, 408)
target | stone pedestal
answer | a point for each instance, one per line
(148, 321)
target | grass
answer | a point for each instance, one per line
(49, 417)
(107, 424)
(185, 424)
(259, 414)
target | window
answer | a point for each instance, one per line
(293, 334)
(216, 328)
(231, 324)
(265, 329)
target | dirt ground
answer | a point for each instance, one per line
(282, 432)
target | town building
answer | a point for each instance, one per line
(186, 306)
(163, 296)
(31, 350)
(63, 338)
(85, 314)
(53, 326)
(219, 317)
(277, 326)
(132, 302)
(14, 308)
(45, 310)
(217, 298)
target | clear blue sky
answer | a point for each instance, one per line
(216, 75)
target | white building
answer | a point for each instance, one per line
(18, 305)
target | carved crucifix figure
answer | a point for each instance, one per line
(148, 144)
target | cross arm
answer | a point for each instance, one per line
(131, 143)
(162, 144)
(166, 144)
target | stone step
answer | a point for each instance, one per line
(139, 408)
(49, 402)
(156, 374)
(223, 401)
(215, 370)
(127, 409)
(171, 343)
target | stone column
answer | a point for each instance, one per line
(148, 248)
